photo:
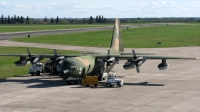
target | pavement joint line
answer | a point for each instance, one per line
(153, 101)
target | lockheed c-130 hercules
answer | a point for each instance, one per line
(99, 64)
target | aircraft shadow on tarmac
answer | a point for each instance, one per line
(102, 85)
(44, 82)
(47, 82)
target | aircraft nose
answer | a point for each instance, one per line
(65, 74)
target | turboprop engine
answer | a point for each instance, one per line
(163, 65)
(54, 61)
(131, 64)
(135, 62)
(32, 58)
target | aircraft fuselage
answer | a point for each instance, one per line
(81, 66)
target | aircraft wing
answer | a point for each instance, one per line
(34, 58)
(153, 57)
(43, 55)
(137, 61)
(125, 57)
(122, 53)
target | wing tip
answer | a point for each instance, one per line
(197, 58)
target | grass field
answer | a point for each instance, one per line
(147, 37)
(19, 28)
(7, 66)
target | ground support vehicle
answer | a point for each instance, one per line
(112, 80)
(88, 81)
(36, 69)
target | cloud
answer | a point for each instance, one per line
(4, 4)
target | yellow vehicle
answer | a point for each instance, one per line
(90, 81)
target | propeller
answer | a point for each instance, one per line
(29, 55)
(55, 60)
(134, 60)
(33, 59)
(109, 60)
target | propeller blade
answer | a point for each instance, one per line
(107, 69)
(37, 59)
(107, 60)
(108, 53)
(136, 61)
(55, 53)
(137, 68)
(29, 53)
(111, 59)
(61, 57)
(134, 55)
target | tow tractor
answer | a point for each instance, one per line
(36, 69)
(112, 80)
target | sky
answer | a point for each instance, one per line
(107, 8)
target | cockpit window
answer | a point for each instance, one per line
(73, 63)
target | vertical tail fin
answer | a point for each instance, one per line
(117, 42)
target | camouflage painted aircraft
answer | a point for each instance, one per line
(100, 64)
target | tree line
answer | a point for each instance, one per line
(13, 19)
(22, 20)
(98, 20)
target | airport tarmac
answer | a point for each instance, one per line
(152, 90)
(176, 89)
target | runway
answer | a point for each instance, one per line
(173, 90)
(5, 36)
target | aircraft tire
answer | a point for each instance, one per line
(87, 85)
(68, 82)
(38, 73)
(119, 85)
(108, 85)
(95, 85)
(63, 77)
(32, 73)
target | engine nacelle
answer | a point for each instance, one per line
(51, 64)
(162, 66)
(21, 62)
(129, 65)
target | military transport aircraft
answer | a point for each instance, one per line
(100, 64)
